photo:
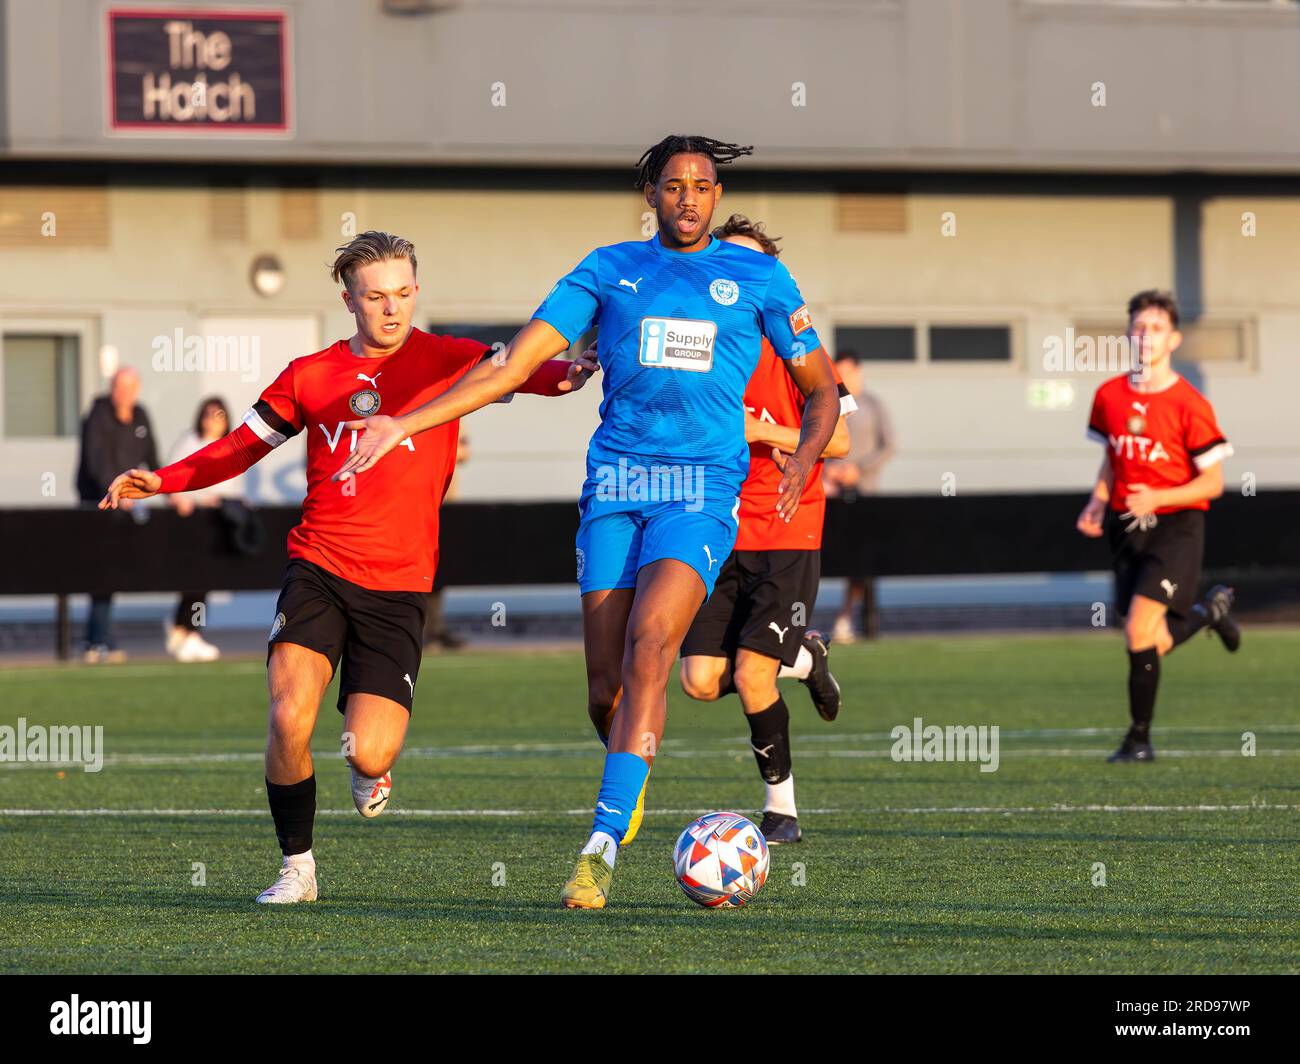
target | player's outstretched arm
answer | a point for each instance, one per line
(220, 460)
(785, 438)
(487, 382)
(133, 484)
(814, 377)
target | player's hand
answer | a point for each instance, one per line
(1091, 517)
(581, 370)
(792, 483)
(1141, 501)
(133, 484)
(381, 434)
(753, 429)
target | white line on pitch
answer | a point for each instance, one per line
(584, 749)
(390, 811)
(993, 810)
(251, 668)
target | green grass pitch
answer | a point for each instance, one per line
(931, 867)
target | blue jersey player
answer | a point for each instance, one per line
(680, 317)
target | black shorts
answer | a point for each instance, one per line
(377, 635)
(1162, 563)
(763, 601)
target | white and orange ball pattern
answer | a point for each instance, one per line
(721, 859)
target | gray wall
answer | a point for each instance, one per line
(924, 83)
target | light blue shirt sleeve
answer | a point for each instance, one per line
(574, 302)
(786, 321)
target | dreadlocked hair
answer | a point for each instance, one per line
(652, 163)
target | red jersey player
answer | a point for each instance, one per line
(753, 629)
(354, 594)
(1163, 465)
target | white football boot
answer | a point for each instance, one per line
(370, 795)
(297, 883)
(174, 637)
(195, 648)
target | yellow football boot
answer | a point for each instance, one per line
(588, 887)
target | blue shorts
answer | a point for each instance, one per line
(615, 542)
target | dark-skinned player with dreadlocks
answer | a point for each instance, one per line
(681, 317)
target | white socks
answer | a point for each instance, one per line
(799, 670)
(300, 859)
(780, 797)
(599, 839)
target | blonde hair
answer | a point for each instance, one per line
(370, 247)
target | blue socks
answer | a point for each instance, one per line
(620, 786)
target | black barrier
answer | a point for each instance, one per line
(55, 551)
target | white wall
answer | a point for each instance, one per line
(1040, 263)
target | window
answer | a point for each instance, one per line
(499, 333)
(1219, 342)
(970, 343)
(485, 333)
(42, 390)
(925, 342)
(877, 343)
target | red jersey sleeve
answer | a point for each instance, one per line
(1097, 419)
(273, 419)
(1205, 442)
(220, 460)
(277, 415)
(546, 378)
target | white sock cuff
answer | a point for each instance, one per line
(601, 839)
(780, 797)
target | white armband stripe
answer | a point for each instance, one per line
(1213, 456)
(262, 430)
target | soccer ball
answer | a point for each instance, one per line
(720, 859)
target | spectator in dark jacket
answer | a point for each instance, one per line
(115, 435)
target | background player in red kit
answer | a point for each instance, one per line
(753, 629)
(354, 593)
(1163, 465)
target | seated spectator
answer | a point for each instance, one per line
(184, 641)
(115, 435)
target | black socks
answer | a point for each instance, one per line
(293, 808)
(769, 733)
(1143, 679)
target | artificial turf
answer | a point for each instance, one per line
(905, 867)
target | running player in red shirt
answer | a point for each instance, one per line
(1163, 465)
(753, 629)
(354, 593)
